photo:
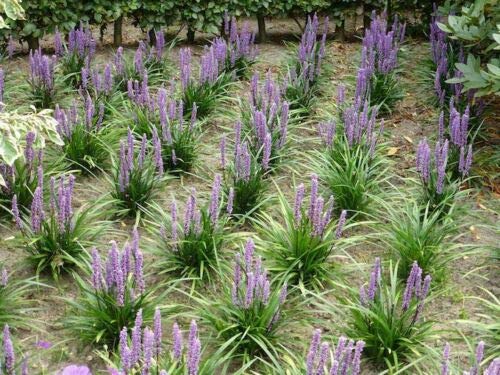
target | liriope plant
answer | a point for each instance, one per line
(192, 247)
(300, 243)
(55, 238)
(111, 294)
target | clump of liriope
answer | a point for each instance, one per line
(210, 89)
(388, 317)
(147, 61)
(76, 55)
(84, 147)
(439, 192)
(143, 352)
(42, 86)
(493, 368)
(321, 359)
(299, 244)
(418, 234)
(265, 119)
(14, 301)
(248, 313)
(22, 178)
(114, 295)
(301, 82)
(377, 78)
(55, 239)
(137, 174)
(240, 50)
(445, 54)
(142, 106)
(460, 145)
(179, 140)
(245, 183)
(484, 323)
(191, 247)
(101, 88)
(350, 164)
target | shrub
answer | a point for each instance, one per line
(377, 80)
(55, 240)
(84, 146)
(137, 175)
(115, 294)
(76, 55)
(146, 353)
(101, 87)
(350, 164)
(165, 122)
(265, 119)
(241, 50)
(248, 313)
(149, 62)
(299, 245)
(393, 335)
(345, 357)
(14, 301)
(244, 178)
(212, 85)
(22, 178)
(301, 81)
(491, 369)
(485, 324)
(438, 192)
(416, 234)
(460, 155)
(192, 248)
(41, 80)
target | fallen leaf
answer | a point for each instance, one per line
(392, 151)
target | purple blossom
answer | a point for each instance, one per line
(340, 224)
(230, 201)
(297, 208)
(214, 199)
(194, 349)
(177, 339)
(157, 330)
(8, 350)
(445, 366)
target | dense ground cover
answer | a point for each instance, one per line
(187, 198)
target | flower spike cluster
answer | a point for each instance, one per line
(122, 272)
(345, 357)
(142, 351)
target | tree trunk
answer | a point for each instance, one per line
(261, 21)
(340, 31)
(388, 10)
(152, 37)
(102, 29)
(33, 42)
(190, 35)
(117, 32)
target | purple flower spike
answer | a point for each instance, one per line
(177, 339)
(214, 200)
(8, 350)
(297, 208)
(230, 201)
(445, 366)
(313, 351)
(341, 223)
